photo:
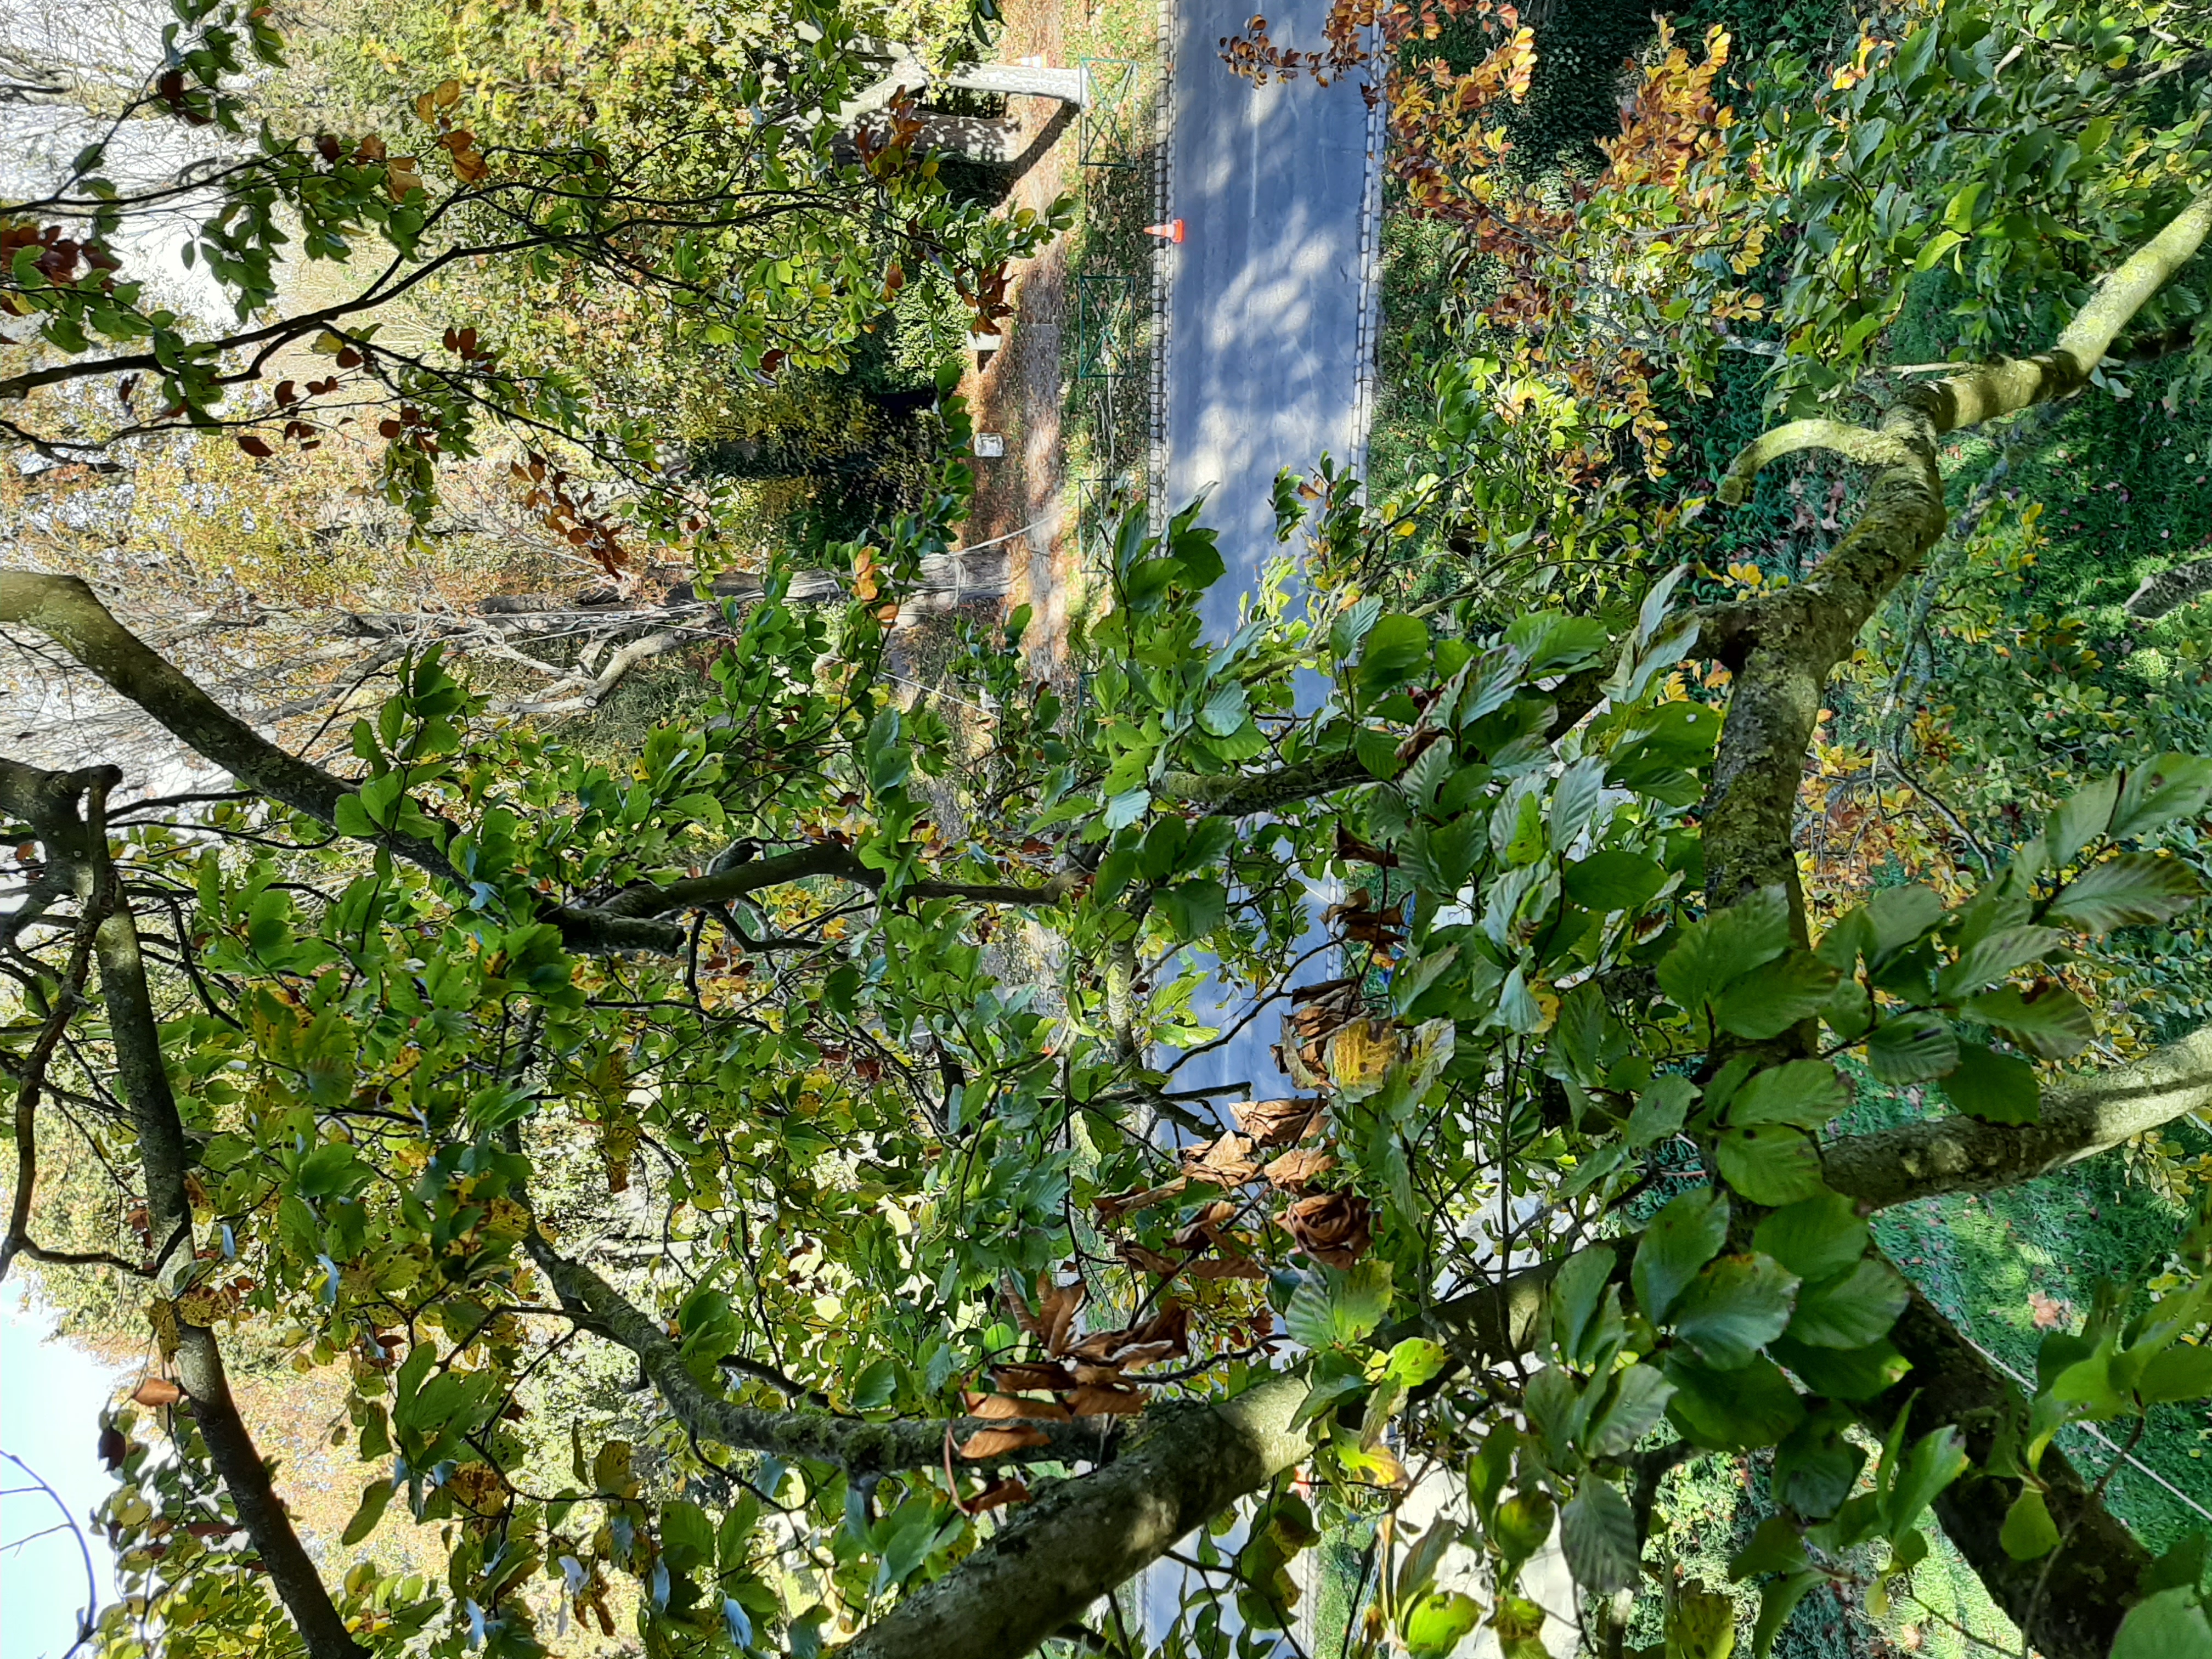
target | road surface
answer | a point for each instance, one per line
(1265, 292)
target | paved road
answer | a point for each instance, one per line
(1265, 295)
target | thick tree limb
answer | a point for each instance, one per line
(2070, 1603)
(2168, 590)
(1784, 644)
(81, 852)
(1080, 1539)
(2081, 1117)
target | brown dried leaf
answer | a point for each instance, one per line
(1099, 1400)
(1199, 1231)
(1229, 1265)
(997, 1408)
(997, 1442)
(1112, 1207)
(1225, 1161)
(1330, 1227)
(1058, 1304)
(1295, 1170)
(1151, 1262)
(1014, 1379)
(157, 1391)
(1139, 1355)
(1107, 1376)
(1170, 1325)
(1279, 1123)
(1009, 1491)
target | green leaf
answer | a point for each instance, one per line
(1377, 752)
(1575, 799)
(1681, 1239)
(1575, 1294)
(1339, 1308)
(1192, 909)
(1525, 1526)
(1769, 1002)
(1892, 919)
(2170, 1624)
(1851, 1310)
(1842, 1373)
(1700, 1623)
(1993, 1087)
(1769, 1163)
(2076, 822)
(1415, 1360)
(1660, 1110)
(1612, 879)
(2029, 1533)
(1732, 1411)
(374, 1498)
(1724, 945)
(1940, 243)
(1997, 957)
(1125, 809)
(1817, 1238)
(1597, 1535)
(1734, 1308)
(2180, 1373)
(1909, 1047)
(877, 1385)
(1803, 1093)
(1775, 1546)
(1775, 1603)
(1397, 648)
(1439, 1622)
(2125, 891)
(2049, 1021)
(1552, 640)
(1816, 1468)
(2171, 787)
(1224, 712)
(1936, 1460)
(350, 818)
(1636, 1400)
(686, 1534)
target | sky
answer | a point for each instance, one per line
(51, 1394)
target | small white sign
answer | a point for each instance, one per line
(990, 445)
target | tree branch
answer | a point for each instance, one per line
(1080, 1539)
(1783, 645)
(2080, 1117)
(854, 1444)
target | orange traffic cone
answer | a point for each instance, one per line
(1169, 232)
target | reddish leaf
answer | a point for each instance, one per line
(1009, 1491)
(1112, 1207)
(996, 1408)
(1016, 1378)
(157, 1391)
(997, 1442)
(254, 447)
(1099, 1400)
